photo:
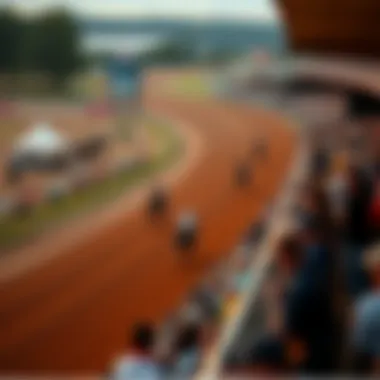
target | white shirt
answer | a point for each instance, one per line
(187, 364)
(366, 329)
(136, 367)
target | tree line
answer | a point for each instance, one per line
(46, 44)
(47, 47)
(184, 50)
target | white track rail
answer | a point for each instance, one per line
(280, 222)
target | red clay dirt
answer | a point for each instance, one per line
(72, 314)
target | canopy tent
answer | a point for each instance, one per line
(40, 148)
(41, 140)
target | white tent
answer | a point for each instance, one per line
(41, 140)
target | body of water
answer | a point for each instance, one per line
(120, 43)
(138, 36)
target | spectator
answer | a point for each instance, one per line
(309, 205)
(289, 255)
(267, 357)
(323, 215)
(139, 362)
(320, 161)
(360, 195)
(255, 232)
(317, 258)
(358, 230)
(209, 300)
(192, 312)
(188, 349)
(307, 307)
(374, 214)
(366, 319)
(337, 192)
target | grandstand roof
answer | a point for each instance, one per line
(333, 26)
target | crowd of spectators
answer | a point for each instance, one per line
(323, 292)
(322, 297)
(177, 349)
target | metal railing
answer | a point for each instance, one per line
(280, 222)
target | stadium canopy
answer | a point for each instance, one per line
(41, 140)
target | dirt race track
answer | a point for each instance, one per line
(72, 313)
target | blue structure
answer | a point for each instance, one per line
(124, 79)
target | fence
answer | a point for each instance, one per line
(280, 221)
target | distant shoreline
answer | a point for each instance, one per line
(144, 34)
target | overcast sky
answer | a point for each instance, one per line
(262, 10)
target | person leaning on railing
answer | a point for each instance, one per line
(365, 326)
(308, 321)
(188, 350)
(138, 362)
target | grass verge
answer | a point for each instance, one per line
(16, 229)
(194, 85)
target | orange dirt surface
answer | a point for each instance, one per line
(72, 314)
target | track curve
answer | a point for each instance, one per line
(72, 314)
